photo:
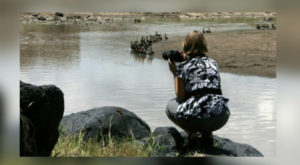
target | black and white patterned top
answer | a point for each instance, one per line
(198, 73)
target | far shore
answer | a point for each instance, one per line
(250, 52)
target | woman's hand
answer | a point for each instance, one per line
(172, 66)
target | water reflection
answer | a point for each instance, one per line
(140, 58)
(51, 46)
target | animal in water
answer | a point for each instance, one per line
(258, 26)
(273, 27)
(166, 36)
(268, 19)
(137, 20)
(144, 45)
(208, 31)
(266, 26)
(150, 51)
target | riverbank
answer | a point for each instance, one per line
(250, 52)
(86, 18)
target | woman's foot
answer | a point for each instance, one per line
(194, 135)
(207, 139)
(200, 140)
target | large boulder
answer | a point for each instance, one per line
(97, 122)
(42, 109)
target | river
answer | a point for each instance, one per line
(94, 67)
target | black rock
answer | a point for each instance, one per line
(97, 122)
(59, 14)
(169, 140)
(235, 149)
(41, 18)
(77, 16)
(27, 137)
(44, 107)
(222, 146)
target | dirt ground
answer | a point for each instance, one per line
(251, 52)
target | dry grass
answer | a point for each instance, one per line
(74, 146)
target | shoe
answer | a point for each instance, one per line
(207, 139)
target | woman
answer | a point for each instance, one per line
(199, 107)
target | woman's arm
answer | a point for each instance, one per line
(179, 82)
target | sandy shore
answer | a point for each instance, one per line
(250, 52)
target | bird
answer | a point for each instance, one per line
(208, 31)
(257, 26)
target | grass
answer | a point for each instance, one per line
(74, 146)
(107, 146)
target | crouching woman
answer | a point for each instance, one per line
(199, 108)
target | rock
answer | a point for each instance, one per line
(97, 122)
(169, 140)
(77, 16)
(235, 149)
(44, 107)
(92, 19)
(27, 137)
(70, 18)
(223, 146)
(41, 18)
(59, 14)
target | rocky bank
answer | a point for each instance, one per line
(98, 122)
(41, 117)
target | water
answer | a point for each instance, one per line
(94, 67)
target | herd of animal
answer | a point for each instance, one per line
(206, 31)
(144, 46)
(268, 25)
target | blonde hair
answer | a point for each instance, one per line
(195, 44)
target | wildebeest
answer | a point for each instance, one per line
(145, 44)
(137, 20)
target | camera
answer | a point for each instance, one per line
(174, 55)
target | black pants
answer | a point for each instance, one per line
(204, 125)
